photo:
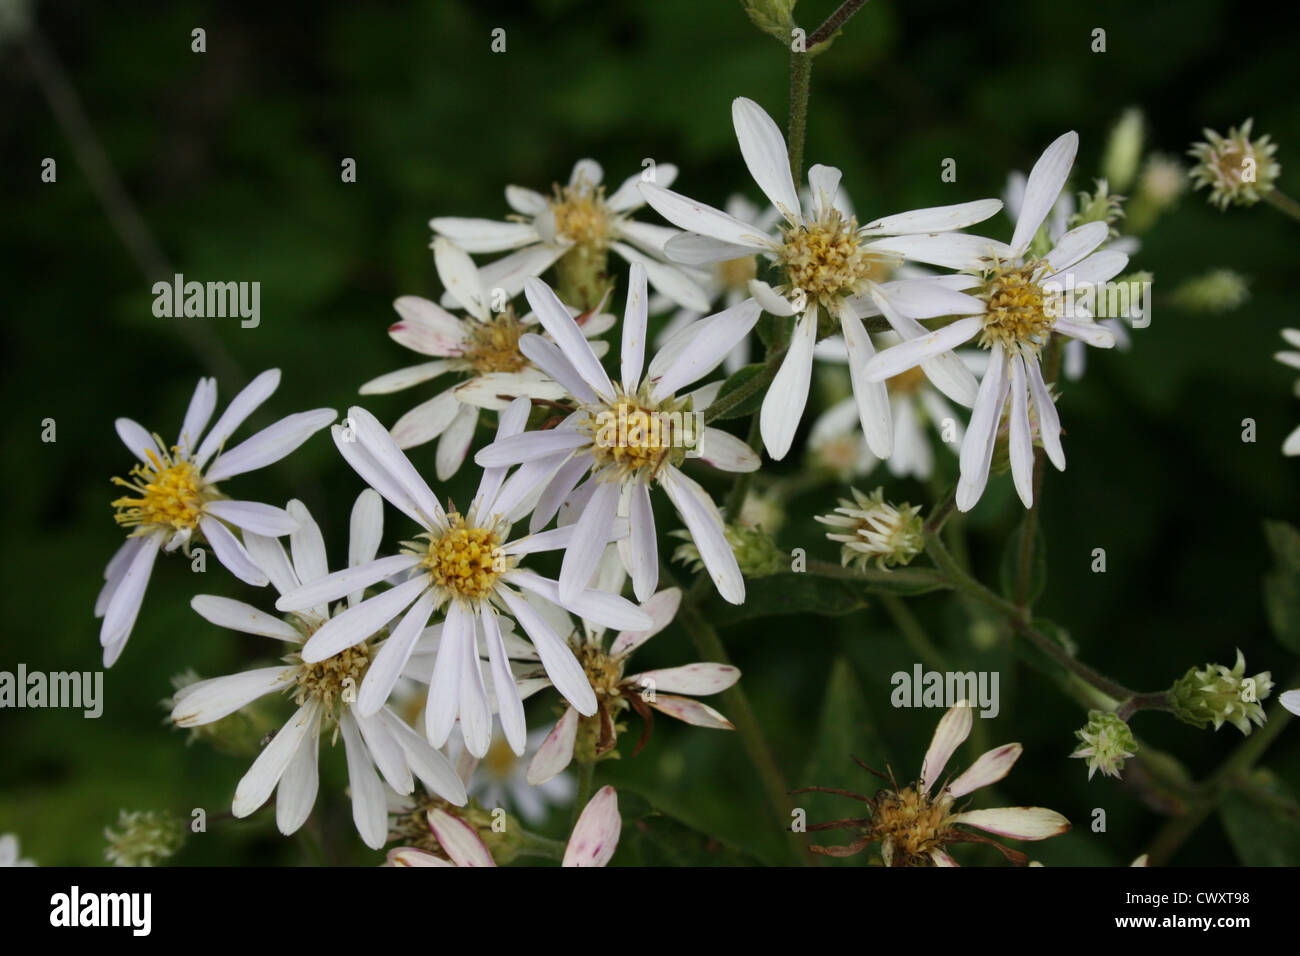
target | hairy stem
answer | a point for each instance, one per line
(1283, 203)
(835, 21)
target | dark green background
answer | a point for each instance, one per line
(233, 157)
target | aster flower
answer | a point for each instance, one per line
(1019, 303)
(9, 852)
(869, 528)
(1238, 168)
(482, 347)
(916, 407)
(324, 689)
(466, 566)
(617, 691)
(914, 826)
(830, 265)
(577, 221)
(592, 842)
(173, 500)
(626, 437)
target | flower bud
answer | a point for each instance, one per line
(1106, 743)
(143, 838)
(871, 529)
(1215, 694)
(1238, 169)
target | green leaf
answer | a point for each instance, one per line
(749, 405)
(1009, 573)
(653, 838)
(1260, 828)
(788, 593)
(1282, 584)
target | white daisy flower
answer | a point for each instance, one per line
(626, 437)
(500, 779)
(914, 826)
(483, 347)
(466, 566)
(173, 500)
(1018, 304)
(618, 691)
(325, 690)
(592, 843)
(1292, 360)
(9, 852)
(578, 220)
(830, 264)
(916, 407)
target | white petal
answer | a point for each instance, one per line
(369, 807)
(981, 435)
(595, 835)
(253, 516)
(202, 405)
(365, 531)
(445, 685)
(988, 769)
(406, 377)
(453, 444)
(244, 404)
(336, 585)
(558, 489)
(952, 250)
(460, 840)
(428, 420)
(296, 793)
(1021, 442)
(628, 196)
(1018, 823)
(555, 318)
(765, 153)
(528, 202)
(510, 707)
(912, 352)
(426, 327)
(643, 546)
(697, 217)
(475, 715)
(124, 605)
(698, 680)
(954, 727)
(459, 274)
(716, 337)
(430, 765)
(556, 751)
(358, 623)
(510, 272)
(270, 444)
(230, 552)
(691, 711)
(1046, 180)
(376, 440)
(668, 280)
(726, 452)
(1076, 244)
(268, 554)
(137, 440)
(1049, 422)
(769, 300)
(662, 608)
(693, 249)
(824, 184)
(705, 524)
(392, 656)
(206, 701)
(484, 235)
(260, 780)
(1087, 331)
(786, 397)
(635, 316)
(238, 616)
(589, 539)
(872, 398)
(558, 661)
(936, 218)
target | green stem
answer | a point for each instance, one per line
(919, 578)
(800, 84)
(914, 633)
(742, 716)
(737, 397)
(533, 844)
(586, 779)
(1283, 203)
(835, 22)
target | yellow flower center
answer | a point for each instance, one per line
(827, 258)
(909, 825)
(494, 345)
(169, 493)
(334, 680)
(634, 434)
(500, 760)
(604, 673)
(466, 561)
(736, 273)
(581, 215)
(908, 382)
(1019, 314)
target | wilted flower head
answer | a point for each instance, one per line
(1215, 694)
(1238, 169)
(913, 826)
(143, 838)
(1107, 743)
(872, 529)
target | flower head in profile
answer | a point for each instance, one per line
(466, 566)
(1105, 742)
(869, 528)
(575, 225)
(325, 691)
(171, 497)
(482, 348)
(1020, 302)
(670, 691)
(916, 824)
(1238, 168)
(829, 265)
(592, 842)
(627, 437)
(1217, 694)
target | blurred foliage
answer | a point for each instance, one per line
(233, 156)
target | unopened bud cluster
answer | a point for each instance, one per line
(1106, 742)
(1216, 695)
(871, 529)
